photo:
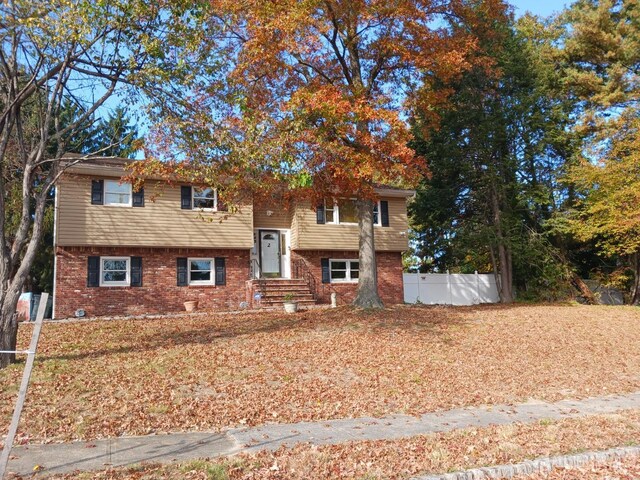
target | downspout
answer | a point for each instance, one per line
(55, 250)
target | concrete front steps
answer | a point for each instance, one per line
(273, 290)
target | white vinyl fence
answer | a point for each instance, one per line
(450, 289)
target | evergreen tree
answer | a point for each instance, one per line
(493, 161)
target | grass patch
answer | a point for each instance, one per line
(213, 471)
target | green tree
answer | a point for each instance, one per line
(114, 136)
(607, 207)
(600, 44)
(493, 163)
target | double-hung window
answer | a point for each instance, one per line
(201, 271)
(344, 211)
(117, 193)
(344, 270)
(114, 271)
(204, 198)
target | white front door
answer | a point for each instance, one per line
(270, 253)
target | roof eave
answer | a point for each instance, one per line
(395, 192)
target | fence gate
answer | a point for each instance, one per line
(450, 289)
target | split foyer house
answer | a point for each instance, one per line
(120, 252)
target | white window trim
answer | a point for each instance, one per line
(105, 192)
(379, 222)
(348, 279)
(336, 214)
(193, 202)
(126, 283)
(201, 282)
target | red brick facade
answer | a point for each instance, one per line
(159, 292)
(389, 275)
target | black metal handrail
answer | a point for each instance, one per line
(301, 270)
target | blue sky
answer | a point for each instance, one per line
(539, 7)
(542, 8)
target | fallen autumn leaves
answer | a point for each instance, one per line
(400, 459)
(126, 377)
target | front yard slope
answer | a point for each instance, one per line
(104, 378)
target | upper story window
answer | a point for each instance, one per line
(199, 198)
(204, 198)
(376, 214)
(116, 193)
(345, 212)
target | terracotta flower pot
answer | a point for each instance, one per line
(191, 305)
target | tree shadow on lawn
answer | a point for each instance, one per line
(419, 320)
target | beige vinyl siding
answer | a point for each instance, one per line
(279, 218)
(294, 228)
(160, 223)
(308, 235)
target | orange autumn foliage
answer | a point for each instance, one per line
(320, 92)
(338, 79)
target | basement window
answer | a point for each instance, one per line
(344, 271)
(201, 271)
(114, 271)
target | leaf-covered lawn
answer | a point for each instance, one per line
(406, 458)
(125, 377)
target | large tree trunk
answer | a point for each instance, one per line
(16, 265)
(505, 265)
(367, 295)
(635, 290)
(8, 327)
(505, 268)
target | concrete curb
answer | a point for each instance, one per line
(540, 465)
